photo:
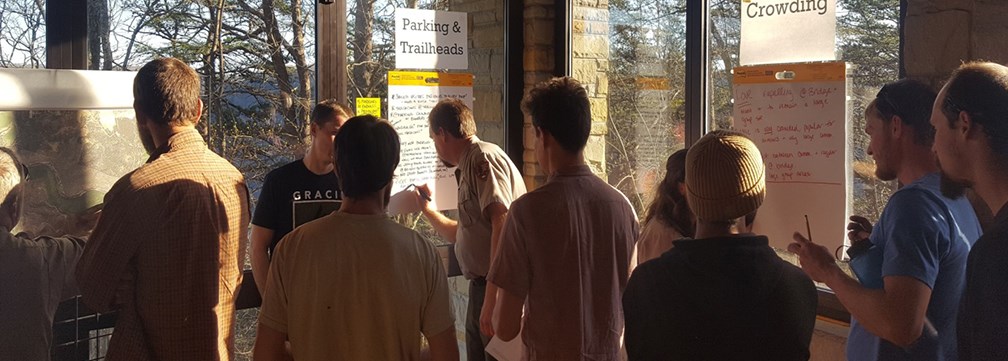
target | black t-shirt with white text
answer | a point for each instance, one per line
(291, 196)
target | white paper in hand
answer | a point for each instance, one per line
(506, 351)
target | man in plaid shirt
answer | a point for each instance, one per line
(168, 248)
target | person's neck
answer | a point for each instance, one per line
(714, 230)
(989, 179)
(917, 162)
(371, 204)
(316, 163)
(459, 147)
(161, 134)
(561, 160)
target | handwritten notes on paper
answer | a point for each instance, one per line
(796, 114)
(411, 97)
(369, 106)
(795, 131)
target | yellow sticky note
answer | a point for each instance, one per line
(370, 106)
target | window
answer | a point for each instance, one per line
(630, 55)
(22, 34)
(867, 38)
(371, 55)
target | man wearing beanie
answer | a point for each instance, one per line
(566, 246)
(912, 264)
(723, 295)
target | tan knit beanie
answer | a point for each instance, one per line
(724, 176)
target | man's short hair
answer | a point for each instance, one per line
(12, 173)
(981, 90)
(912, 101)
(327, 110)
(366, 154)
(453, 116)
(167, 91)
(560, 106)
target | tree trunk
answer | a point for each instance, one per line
(303, 103)
(214, 76)
(274, 44)
(363, 47)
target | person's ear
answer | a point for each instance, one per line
(966, 126)
(896, 126)
(199, 111)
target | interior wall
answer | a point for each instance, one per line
(939, 35)
(486, 63)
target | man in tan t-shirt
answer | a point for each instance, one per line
(354, 285)
(488, 183)
(565, 249)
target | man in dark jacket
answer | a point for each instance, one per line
(723, 295)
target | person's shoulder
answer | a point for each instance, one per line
(221, 164)
(795, 277)
(655, 273)
(534, 199)
(488, 149)
(286, 168)
(283, 172)
(311, 230)
(915, 199)
(609, 193)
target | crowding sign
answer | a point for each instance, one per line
(787, 31)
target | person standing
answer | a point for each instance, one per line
(168, 250)
(911, 265)
(724, 295)
(298, 192)
(566, 246)
(669, 216)
(355, 285)
(488, 183)
(36, 273)
(970, 116)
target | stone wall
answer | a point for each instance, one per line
(538, 60)
(589, 64)
(941, 34)
(487, 64)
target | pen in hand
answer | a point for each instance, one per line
(808, 228)
(421, 191)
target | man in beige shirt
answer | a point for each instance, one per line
(354, 285)
(488, 183)
(566, 246)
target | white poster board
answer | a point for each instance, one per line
(787, 31)
(428, 39)
(797, 116)
(411, 97)
(30, 89)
